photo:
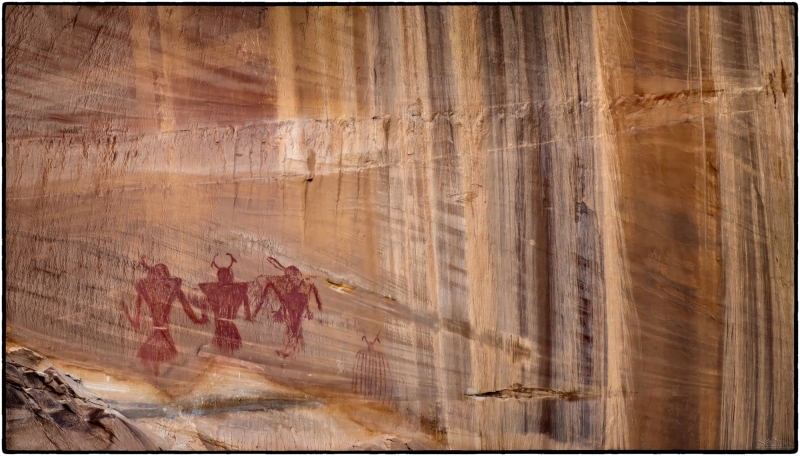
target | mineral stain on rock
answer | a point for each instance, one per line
(589, 203)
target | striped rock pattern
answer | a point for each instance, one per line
(587, 210)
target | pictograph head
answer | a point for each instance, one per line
(370, 344)
(224, 275)
(160, 270)
(294, 273)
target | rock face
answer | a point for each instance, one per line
(49, 410)
(571, 227)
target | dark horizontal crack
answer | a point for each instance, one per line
(648, 99)
(525, 392)
(210, 406)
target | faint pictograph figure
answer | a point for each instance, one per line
(159, 290)
(371, 375)
(224, 297)
(293, 290)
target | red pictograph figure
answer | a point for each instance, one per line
(294, 290)
(225, 297)
(371, 373)
(159, 290)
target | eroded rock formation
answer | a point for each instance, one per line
(47, 409)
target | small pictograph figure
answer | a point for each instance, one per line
(159, 290)
(225, 297)
(293, 290)
(371, 373)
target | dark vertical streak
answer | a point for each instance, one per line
(447, 215)
(587, 290)
(540, 195)
(523, 274)
(384, 380)
(360, 59)
(590, 283)
(760, 230)
(299, 18)
(524, 129)
(525, 418)
(673, 277)
(357, 373)
(713, 289)
(158, 59)
(545, 305)
(384, 93)
(439, 79)
(763, 331)
(365, 374)
(360, 384)
(375, 377)
(751, 290)
(371, 374)
(767, 298)
(381, 378)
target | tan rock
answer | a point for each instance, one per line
(582, 214)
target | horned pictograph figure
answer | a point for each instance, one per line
(159, 290)
(225, 297)
(294, 290)
(371, 373)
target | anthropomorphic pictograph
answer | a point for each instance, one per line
(371, 373)
(159, 290)
(293, 289)
(225, 297)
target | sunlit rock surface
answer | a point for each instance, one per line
(571, 227)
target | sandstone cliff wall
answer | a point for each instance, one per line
(593, 202)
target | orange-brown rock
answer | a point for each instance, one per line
(572, 226)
